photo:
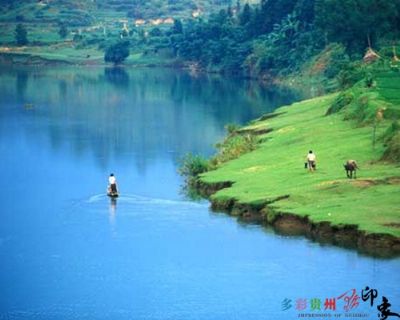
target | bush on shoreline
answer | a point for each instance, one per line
(193, 165)
(234, 145)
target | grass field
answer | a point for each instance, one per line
(276, 168)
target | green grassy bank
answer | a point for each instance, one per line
(67, 54)
(275, 169)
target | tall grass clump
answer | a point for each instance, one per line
(344, 99)
(193, 165)
(391, 140)
(234, 146)
(232, 128)
(190, 167)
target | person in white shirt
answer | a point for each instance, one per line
(311, 161)
(112, 184)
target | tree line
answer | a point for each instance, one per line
(278, 36)
(274, 37)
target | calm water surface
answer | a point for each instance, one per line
(68, 252)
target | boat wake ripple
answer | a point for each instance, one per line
(137, 199)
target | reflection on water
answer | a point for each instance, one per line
(21, 84)
(117, 76)
(68, 251)
(116, 111)
(113, 208)
(113, 211)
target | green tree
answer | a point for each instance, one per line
(222, 16)
(272, 12)
(229, 11)
(19, 18)
(352, 22)
(304, 10)
(21, 35)
(77, 37)
(177, 27)
(245, 16)
(117, 53)
(155, 32)
(238, 6)
(63, 31)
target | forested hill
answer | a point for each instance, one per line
(92, 25)
(279, 36)
(265, 39)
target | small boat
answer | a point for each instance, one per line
(113, 194)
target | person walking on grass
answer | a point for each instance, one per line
(311, 161)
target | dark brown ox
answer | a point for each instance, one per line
(351, 167)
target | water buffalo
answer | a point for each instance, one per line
(351, 166)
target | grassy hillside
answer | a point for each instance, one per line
(276, 167)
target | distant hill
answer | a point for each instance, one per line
(87, 12)
(91, 21)
(77, 13)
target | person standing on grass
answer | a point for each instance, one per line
(311, 161)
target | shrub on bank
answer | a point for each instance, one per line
(391, 140)
(117, 53)
(193, 165)
(392, 152)
(373, 101)
(234, 146)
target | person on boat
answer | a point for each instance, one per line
(311, 160)
(112, 181)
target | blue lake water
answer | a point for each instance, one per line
(68, 252)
